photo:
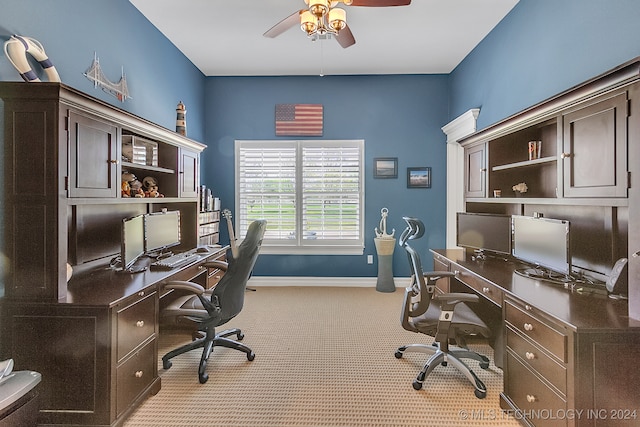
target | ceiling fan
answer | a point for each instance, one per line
(323, 17)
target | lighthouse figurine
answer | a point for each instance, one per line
(181, 119)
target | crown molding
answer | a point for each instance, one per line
(463, 125)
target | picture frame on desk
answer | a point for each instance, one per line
(419, 177)
(385, 167)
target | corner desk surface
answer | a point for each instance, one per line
(102, 285)
(579, 310)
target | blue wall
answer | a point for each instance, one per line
(397, 116)
(71, 31)
(541, 48)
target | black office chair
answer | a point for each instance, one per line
(209, 310)
(446, 317)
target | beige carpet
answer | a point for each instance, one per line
(324, 357)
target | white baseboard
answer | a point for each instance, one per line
(400, 282)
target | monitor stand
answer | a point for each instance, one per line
(137, 267)
(133, 270)
(539, 273)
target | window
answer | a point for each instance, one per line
(310, 193)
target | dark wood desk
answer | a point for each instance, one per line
(97, 350)
(570, 357)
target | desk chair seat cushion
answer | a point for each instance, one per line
(464, 322)
(183, 306)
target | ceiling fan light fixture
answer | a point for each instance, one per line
(319, 8)
(337, 19)
(308, 22)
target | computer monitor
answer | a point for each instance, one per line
(484, 232)
(542, 242)
(132, 246)
(162, 231)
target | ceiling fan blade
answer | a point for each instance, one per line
(282, 26)
(380, 3)
(345, 37)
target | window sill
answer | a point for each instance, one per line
(311, 250)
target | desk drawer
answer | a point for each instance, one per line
(537, 330)
(213, 277)
(484, 288)
(538, 360)
(189, 273)
(532, 396)
(136, 323)
(135, 375)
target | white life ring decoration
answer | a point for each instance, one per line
(16, 49)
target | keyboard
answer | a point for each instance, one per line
(176, 260)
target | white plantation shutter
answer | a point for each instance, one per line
(310, 193)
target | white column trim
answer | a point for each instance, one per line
(455, 130)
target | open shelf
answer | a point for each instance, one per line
(526, 163)
(146, 167)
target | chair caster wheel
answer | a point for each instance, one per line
(240, 336)
(166, 364)
(484, 365)
(251, 356)
(444, 363)
(398, 354)
(417, 385)
(203, 378)
(480, 394)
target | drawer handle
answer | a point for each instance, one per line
(141, 293)
(138, 374)
(486, 290)
(530, 355)
(528, 327)
(140, 323)
(528, 307)
(531, 398)
(456, 272)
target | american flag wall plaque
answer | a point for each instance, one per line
(298, 119)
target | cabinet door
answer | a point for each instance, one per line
(189, 178)
(70, 347)
(594, 155)
(475, 174)
(93, 151)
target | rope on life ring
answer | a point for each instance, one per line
(16, 49)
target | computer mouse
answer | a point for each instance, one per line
(202, 250)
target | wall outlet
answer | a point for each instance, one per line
(369, 259)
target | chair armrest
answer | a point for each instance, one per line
(211, 305)
(222, 265)
(437, 275)
(450, 300)
(185, 286)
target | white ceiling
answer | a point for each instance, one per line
(224, 38)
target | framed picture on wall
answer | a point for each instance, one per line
(419, 177)
(385, 167)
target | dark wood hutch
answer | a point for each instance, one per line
(94, 337)
(564, 350)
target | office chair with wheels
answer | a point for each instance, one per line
(208, 310)
(445, 317)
